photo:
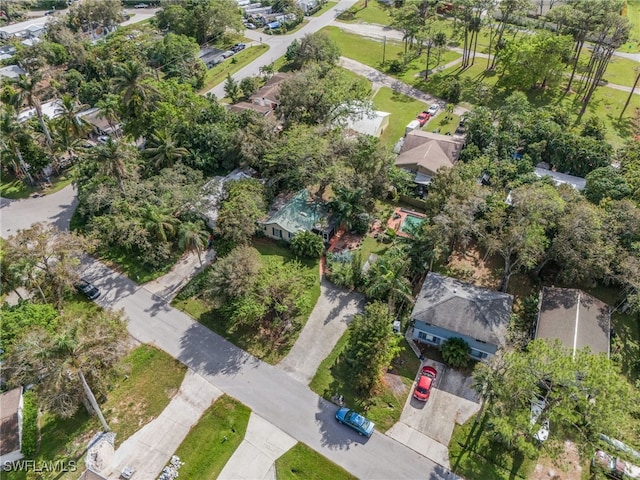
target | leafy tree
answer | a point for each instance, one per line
(314, 47)
(371, 347)
(386, 279)
(177, 57)
(248, 86)
(307, 244)
(16, 320)
(235, 274)
(533, 61)
(606, 182)
(244, 206)
(232, 88)
(193, 236)
(13, 133)
(90, 15)
(408, 20)
(71, 363)
(508, 10)
(455, 351)
(45, 260)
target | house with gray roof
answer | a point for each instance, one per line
(575, 318)
(448, 308)
(298, 213)
(11, 405)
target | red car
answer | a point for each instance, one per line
(425, 382)
(423, 117)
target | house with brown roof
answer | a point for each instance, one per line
(99, 123)
(11, 405)
(575, 318)
(265, 100)
(424, 153)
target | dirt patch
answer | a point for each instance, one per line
(395, 384)
(567, 467)
(470, 265)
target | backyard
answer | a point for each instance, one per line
(194, 301)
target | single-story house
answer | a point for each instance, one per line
(11, 405)
(29, 28)
(559, 178)
(373, 124)
(6, 52)
(269, 94)
(263, 110)
(11, 71)
(575, 318)
(299, 213)
(100, 124)
(424, 153)
(50, 110)
(307, 6)
(447, 308)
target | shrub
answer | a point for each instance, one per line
(29, 425)
(307, 244)
(455, 351)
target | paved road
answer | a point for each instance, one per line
(270, 392)
(278, 43)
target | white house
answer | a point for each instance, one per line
(11, 71)
(30, 28)
(11, 406)
(373, 124)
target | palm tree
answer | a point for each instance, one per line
(130, 83)
(27, 88)
(387, 280)
(113, 159)
(164, 151)
(110, 110)
(346, 206)
(12, 131)
(193, 236)
(67, 143)
(159, 222)
(64, 364)
(67, 111)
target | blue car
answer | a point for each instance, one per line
(353, 419)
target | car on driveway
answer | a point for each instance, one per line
(425, 383)
(238, 47)
(433, 109)
(141, 5)
(87, 289)
(537, 407)
(423, 117)
(353, 419)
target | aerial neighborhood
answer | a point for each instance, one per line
(320, 239)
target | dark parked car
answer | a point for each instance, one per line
(238, 47)
(87, 289)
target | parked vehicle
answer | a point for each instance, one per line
(425, 383)
(141, 5)
(87, 289)
(353, 419)
(227, 54)
(613, 467)
(423, 117)
(433, 109)
(239, 47)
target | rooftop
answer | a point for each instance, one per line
(462, 307)
(300, 212)
(367, 124)
(575, 318)
(426, 152)
(558, 178)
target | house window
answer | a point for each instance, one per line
(427, 337)
(289, 233)
(478, 354)
(277, 232)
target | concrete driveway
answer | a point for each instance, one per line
(328, 321)
(427, 427)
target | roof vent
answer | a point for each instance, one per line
(455, 290)
(304, 214)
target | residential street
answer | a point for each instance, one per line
(268, 391)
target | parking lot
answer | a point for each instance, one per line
(427, 426)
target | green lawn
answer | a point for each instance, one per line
(14, 189)
(206, 311)
(374, 12)
(218, 74)
(403, 109)
(325, 7)
(384, 408)
(474, 456)
(303, 463)
(122, 261)
(371, 245)
(633, 12)
(619, 71)
(212, 441)
(138, 394)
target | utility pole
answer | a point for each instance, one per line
(384, 48)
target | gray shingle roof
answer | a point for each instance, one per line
(462, 307)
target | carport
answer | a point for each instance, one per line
(427, 427)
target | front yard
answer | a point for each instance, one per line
(194, 301)
(303, 463)
(384, 408)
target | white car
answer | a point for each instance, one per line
(537, 407)
(433, 109)
(141, 5)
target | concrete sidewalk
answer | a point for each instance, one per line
(254, 459)
(328, 321)
(187, 267)
(150, 448)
